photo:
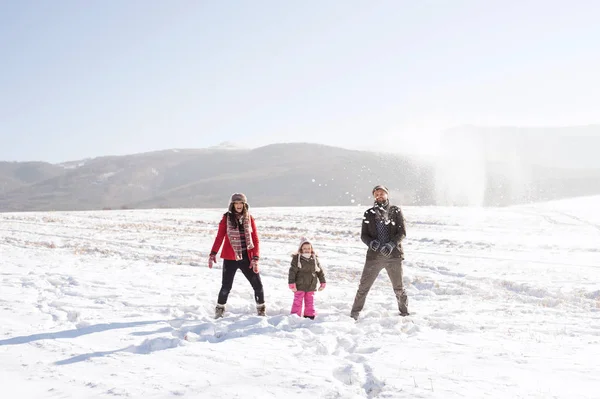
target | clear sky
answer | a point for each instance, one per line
(84, 79)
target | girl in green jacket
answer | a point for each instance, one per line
(305, 272)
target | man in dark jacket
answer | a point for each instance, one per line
(383, 230)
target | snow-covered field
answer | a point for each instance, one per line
(505, 302)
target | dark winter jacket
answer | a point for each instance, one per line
(305, 275)
(396, 229)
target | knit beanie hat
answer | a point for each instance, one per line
(380, 187)
(239, 197)
(303, 241)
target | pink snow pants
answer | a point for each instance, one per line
(309, 303)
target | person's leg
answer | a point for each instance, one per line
(297, 304)
(309, 305)
(254, 280)
(394, 270)
(229, 269)
(369, 274)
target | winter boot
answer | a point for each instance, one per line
(260, 310)
(219, 310)
(403, 310)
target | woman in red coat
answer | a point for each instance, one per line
(240, 251)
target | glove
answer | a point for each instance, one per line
(387, 249)
(322, 286)
(212, 259)
(374, 245)
(254, 265)
(293, 287)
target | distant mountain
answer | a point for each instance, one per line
(14, 175)
(471, 171)
(274, 175)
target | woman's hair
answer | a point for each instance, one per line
(231, 215)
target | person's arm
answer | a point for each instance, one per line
(293, 273)
(321, 272)
(400, 231)
(365, 235)
(220, 236)
(255, 241)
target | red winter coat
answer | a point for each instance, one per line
(227, 252)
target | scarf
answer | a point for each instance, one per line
(382, 219)
(233, 233)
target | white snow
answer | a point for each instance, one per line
(227, 145)
(72, 165)
(505, 303)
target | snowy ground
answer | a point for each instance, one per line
(505, 302)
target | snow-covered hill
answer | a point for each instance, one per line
(505, 302)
